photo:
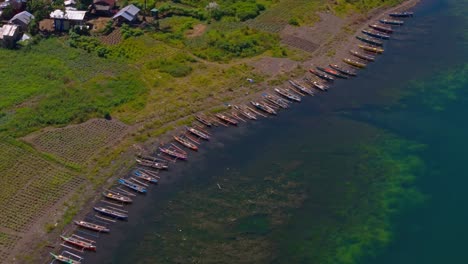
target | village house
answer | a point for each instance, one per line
(127, 14)
(70, 5)
(9, 35)
(22, 20)
(63, 21)
(103, 7)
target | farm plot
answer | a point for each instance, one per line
(30, 185)
(299, 43)
(78, 143)
(7, 243)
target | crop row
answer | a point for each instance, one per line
(7, 243)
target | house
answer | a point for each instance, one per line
(103, 6)
(127, 14)
(22, 19)
(70, 5)
(63, 21)
(9, 35)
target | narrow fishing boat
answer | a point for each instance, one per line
(333, 72)
(204, 120)
(354, 63)
(78, 242)
(276, 100)
(401, 14)
(300, 87)
(186, 143)
(245, 112)
(322, 75)
(391, 22)
(263, 107)
(64, 259)
(375, 34)
(371, 49)
(173, 153)
(342, 70)
(153, 164)
(110, 212)
(198, 133)
(288, 95)
(226, 119)
(117, 197)
(370, 40)
(132, 185)
(362, 56)
(381, 28)
(91, 226)
(145, 176)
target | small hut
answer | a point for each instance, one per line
(9, 35)
(63, 21)
(127, 14)
(103, 7)
(22, 19)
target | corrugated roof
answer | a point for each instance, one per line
(25, 17)
(68, 14)
(8, 30)
(129, 12)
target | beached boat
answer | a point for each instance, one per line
(322, 75)
(366, 57)
(370, 40)
(333, 72)
(152, 164)
(401, 14)
(371, 49)
(78, 242)
(173, 152)
(375, 34)
(117, 197)
(280, 102)
(110, 212)
(392, 22)
(64, 259)
(132, 185)
(264, 107)
(92, 226)
(287, 94)
(145, 176)
(186, 143)
(300, 87)
(342, 70)
(381, 28)
(354, 63)
(204, 120)
(245, 112)
(226, 119)
(198, 133)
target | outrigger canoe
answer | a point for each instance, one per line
(92, 226)
(64, 259)
(186, 143)
(79, 243)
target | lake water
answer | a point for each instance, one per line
(372, 171)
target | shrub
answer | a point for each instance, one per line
(293, 21)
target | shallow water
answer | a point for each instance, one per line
(370, 172)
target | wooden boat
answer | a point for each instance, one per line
(117, 197)
(64, 259)
(280, 102)
(318, 85)
(152, 164)
(226, 119)
(354, 63)
(392, 22)
(132, 185)
(198, 133)
(263, 107)
(245, 112)
(173, 153)
(371, 49)
(333, 72)
(288, 94)
(402, 14)
(204, 120)
(145, 176)
(78, 242)
(110, 212)
(370, 40)
(300, 87)
(375, 34)
(381, 28)
(342, 70)
(91, 226)
(186, 143)
(322, 75)
(362, 56)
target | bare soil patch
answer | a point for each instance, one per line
(197, 31)
(274, 66)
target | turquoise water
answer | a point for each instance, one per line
(371, 172)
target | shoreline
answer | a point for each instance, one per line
(319, 56)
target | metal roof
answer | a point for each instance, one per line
(129, 12)
(8, 30)
(25, 17)
(68, 14)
